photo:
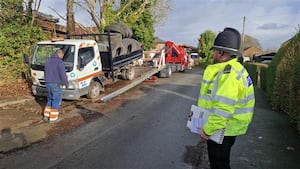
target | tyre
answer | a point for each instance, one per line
(94, 90)
(127, 29)
(123, 74)
(167, 72)
(131, 45)
(118, 49)
(114, 38)
(115, 28)
(130, 73)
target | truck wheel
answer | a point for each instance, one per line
(123, 74)
(130, 73)
(169, 72)
(94, 91)
(160, 74)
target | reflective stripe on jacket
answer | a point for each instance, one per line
(227, 92)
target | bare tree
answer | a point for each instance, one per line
(36, 8)
(97, 9)
(90, 6)
(70, 18)
(160, 11)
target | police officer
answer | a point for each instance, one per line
(227, 92)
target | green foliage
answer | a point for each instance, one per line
(143, 31)
(109, 15)
(16, 38)
(263, 78)
(272, 70)
(285, 93)
(206, 41)
(142, 24)
(252, 70)
(11, 12)
(203, 64)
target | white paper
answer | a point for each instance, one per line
(196, 123)
(198, 117)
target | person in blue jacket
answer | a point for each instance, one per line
(55, 77)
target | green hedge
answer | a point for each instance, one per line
(263, 78)
(252, 70)
(283, 82)
(280, 79)
(286, 91)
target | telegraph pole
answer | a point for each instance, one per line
(243, 35)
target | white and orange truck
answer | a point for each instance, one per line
(89, 63)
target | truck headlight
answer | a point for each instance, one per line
(73, 85)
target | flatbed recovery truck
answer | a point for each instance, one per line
(90, 64)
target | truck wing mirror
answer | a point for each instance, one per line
(25, 59)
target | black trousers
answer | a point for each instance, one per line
(219, 154)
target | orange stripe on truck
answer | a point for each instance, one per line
(89, 76)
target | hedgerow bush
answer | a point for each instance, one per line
(283, 84)
(17, 36)
(263, 78)
(252, 70)
(14, 42)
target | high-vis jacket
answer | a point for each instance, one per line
(227, 93)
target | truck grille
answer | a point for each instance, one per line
(42, 82)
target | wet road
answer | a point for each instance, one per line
(148, 131)
(145, 132)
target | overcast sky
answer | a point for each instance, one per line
(271, 22)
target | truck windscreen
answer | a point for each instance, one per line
(45, 51)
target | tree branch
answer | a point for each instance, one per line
(57, 13)
(124, 7)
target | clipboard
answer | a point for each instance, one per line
(197, 118)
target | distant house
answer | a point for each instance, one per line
(49, 24)
(265, 58)
(252, 51)
(159, 45)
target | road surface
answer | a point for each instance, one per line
(145, 132)
(148, 131)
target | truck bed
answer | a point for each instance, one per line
(112, 64)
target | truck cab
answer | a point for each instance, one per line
(83, 67)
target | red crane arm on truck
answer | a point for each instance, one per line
(175, 53)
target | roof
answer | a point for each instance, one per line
(252, 50)
(158, 40)
(268, 54)
(68, 41)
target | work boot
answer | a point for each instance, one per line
(53, 115)
(47, 111)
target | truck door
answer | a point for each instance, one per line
(88, 66)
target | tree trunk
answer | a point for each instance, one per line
(70, 18)
(36, 10)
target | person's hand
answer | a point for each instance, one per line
(202, 134)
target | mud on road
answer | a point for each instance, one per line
(22, 124)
